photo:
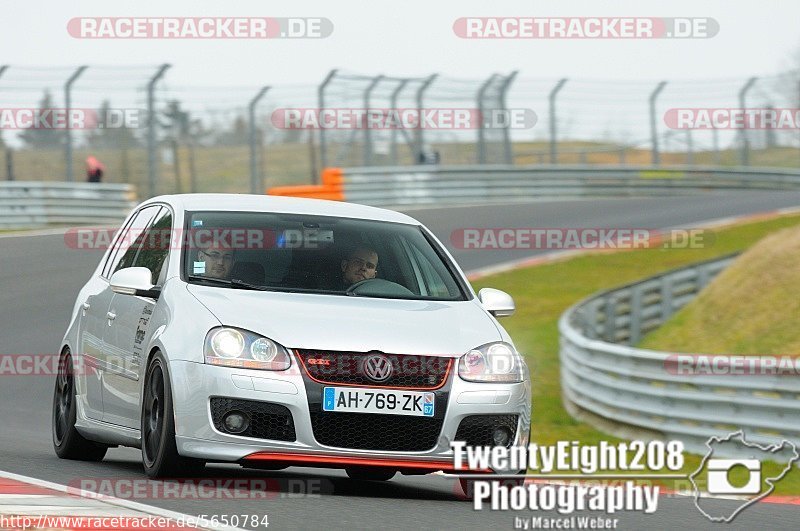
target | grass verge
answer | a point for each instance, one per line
(750, 308)
(544, 292)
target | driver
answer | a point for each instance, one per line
(361, 264)
(218, 259)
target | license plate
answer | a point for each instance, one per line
(360, 400)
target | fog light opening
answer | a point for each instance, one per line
(236, 422)
(501, 436)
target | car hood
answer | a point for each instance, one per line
(353, 324)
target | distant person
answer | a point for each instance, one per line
(94, 170)
(361, 264)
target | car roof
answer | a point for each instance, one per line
(279, 204)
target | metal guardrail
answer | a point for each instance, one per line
(628, 387)
(39, 204)
(413, 185)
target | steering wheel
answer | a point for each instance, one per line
(378, 286)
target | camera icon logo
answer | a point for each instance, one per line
(719, 471)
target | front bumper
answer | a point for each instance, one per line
(194, 384)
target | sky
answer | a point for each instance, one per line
(606, 95)
(411, 38)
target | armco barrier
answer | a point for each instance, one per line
(40, 204)
(626, 387)
(419, 185)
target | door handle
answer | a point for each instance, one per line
(85, 307)
(111, 316)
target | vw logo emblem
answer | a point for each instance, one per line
(378, 367)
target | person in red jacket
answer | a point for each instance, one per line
(94, 169)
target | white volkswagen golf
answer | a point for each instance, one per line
(273, 332)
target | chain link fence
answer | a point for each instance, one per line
(236, 138)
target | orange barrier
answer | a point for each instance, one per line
(331, 188)
(333, 176)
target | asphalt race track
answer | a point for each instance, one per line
(40, 276)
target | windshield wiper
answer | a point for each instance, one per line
(234, 283)
(241, 284)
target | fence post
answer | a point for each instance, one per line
(481, 125)
(9, 151)
(9, 164)
(323, 146)
(419, 132)
(769, 132)
(9, 161)
(395, 93)
(152, 168)
(702, 278)
(666, 298)
(610, 325)
(508, 154)
(689, 147)
(745, 153)
(590, 323)
(256, 184)
(68, 105)
(367, 130)
(551, 100)
(654, 123)
(635, 332)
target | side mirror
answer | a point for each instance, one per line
(496, 302)
(134, 281)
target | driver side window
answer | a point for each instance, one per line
(155, 245)
(126, 249)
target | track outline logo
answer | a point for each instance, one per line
(771, 481)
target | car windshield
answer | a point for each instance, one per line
(316, 254)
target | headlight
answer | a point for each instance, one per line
(495, 362)
(232, 347)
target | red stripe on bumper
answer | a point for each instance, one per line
(339, 461)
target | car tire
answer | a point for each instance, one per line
(68, 443)
(370, 473)
(159, 451)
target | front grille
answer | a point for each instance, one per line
(366, 431)
(267, 421)
(408, 371)
(476, 430)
